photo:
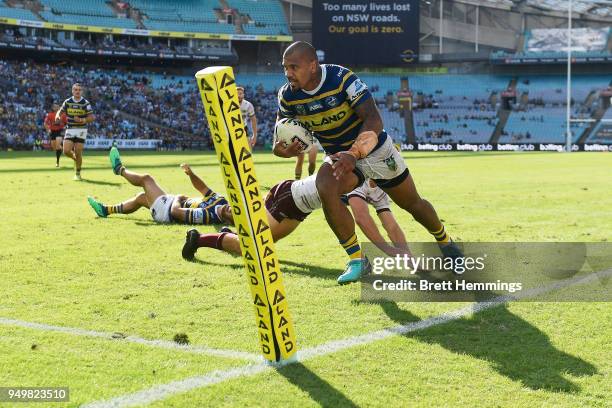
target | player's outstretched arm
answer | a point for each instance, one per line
(368, 226)
(58, 114)
(196, 181)
(394, 231)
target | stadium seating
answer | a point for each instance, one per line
(452, 125)
(546, 122)
(90, 12)
(394, 124)
(267, 16)
(88, 20)
(23, 14)
(458, 86)
(188, 15)
(596, 136)
(78, 7)
(460, 110)
(537, 125)
(552, 88)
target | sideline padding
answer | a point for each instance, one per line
(274, 324)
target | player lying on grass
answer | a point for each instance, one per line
(208, 209)
(289, 203)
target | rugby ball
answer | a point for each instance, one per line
(288, 130)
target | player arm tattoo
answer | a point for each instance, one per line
(371, 127)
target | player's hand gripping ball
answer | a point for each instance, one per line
(289, 130)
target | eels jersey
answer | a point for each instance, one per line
(73, 109)
(209, 205)
(328, 110)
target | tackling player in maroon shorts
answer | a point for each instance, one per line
(289, 203)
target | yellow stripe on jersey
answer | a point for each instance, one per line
(352, 125)
(321, 96)
(330, 119)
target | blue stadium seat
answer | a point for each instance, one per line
(17, 13)
(267, 16)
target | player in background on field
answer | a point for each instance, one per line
(312, 161)
(79, 114)
(248, 112)
(54, 130)
(165, 208)
(289, 202)
(338, 107)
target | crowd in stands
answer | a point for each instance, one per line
(458, 121)
(121, 42)
(147, 105)
(127, 106)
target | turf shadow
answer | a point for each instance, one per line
(137, 221)
(100, 183)
(512, 346)
(310, 271)
(288, 267)
(318, 389)
(225, 265)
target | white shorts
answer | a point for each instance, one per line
(374, 196)
(385, 163)
(75, 133)
(160, 210)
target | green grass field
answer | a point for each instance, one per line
(109, 279)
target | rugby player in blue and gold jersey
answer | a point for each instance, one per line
(338, 107)
(79, 114)
(208, 209)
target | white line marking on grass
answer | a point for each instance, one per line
(160, 392)
(242, 355)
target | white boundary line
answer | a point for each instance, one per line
(160, 392)
(242, 355)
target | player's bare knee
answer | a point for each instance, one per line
(413, 204)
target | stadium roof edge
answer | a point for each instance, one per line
(484, 3)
